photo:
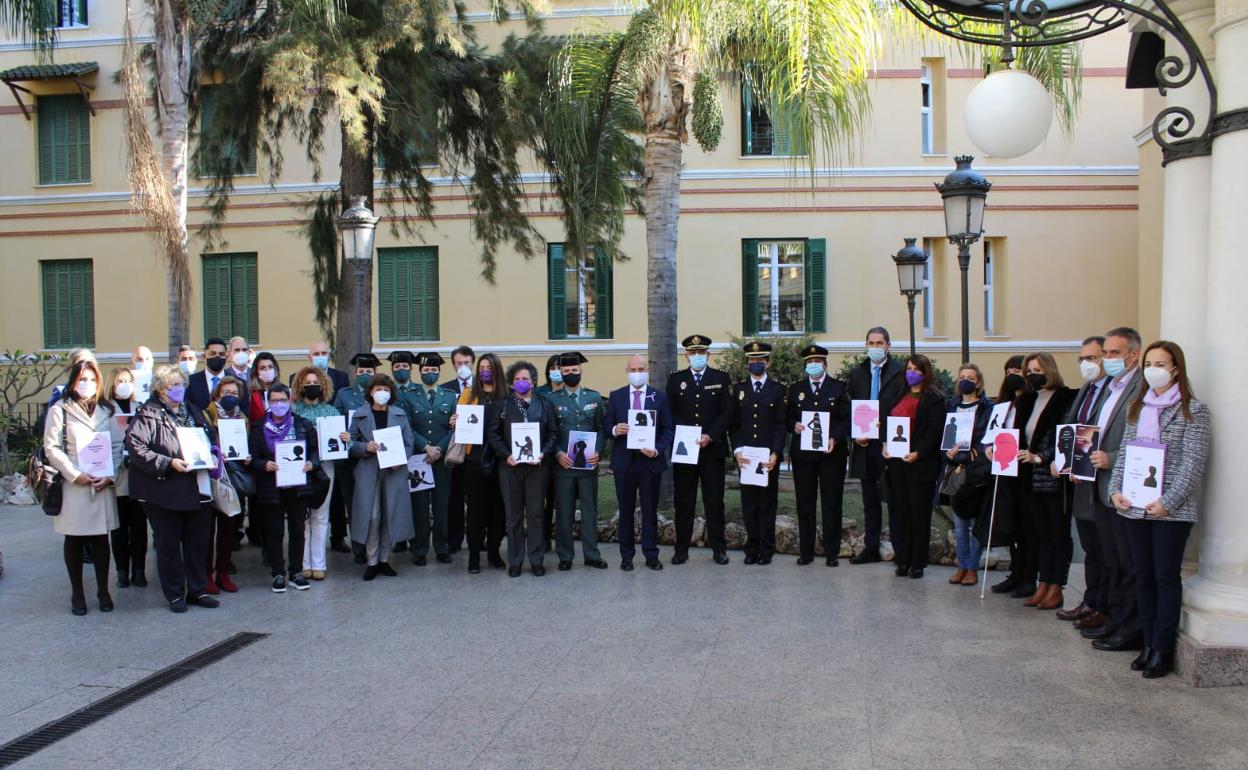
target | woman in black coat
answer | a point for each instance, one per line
(1045, 515)
(282, 508)
(912, 478)
(169, 491)
(972, 499)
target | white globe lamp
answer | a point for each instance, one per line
(1008, 114)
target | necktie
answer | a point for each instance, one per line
(697, 379)
(431, 394)
(636, 399)
(758, 388)
(215, 380)
(875, 383)
(1088, 399)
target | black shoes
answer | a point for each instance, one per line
(832, 561)
(720, 558)
(751, 559)
(1119, 643)
(1005, 586)
(916, 573)
(138, 577)
(901, 570)
(385, 569)
(868, 556)
(203, 600)
(513, 572)
(106, 603)
(1141, 660)
(123, 579)
(1103, 631)
(1023, 591)
(802, 561)
(178, 606)
(764, 560)
(538, 570)
(400, 546)
(596, 563)
(654, 564)
(78, 605)
(370, 572)
(1158, 665)
(338, 546)
(627, 566)
(564, 566)
(474, 563)
(419, 561)
(680, 558)
(444, 558)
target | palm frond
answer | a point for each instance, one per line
(31, 20)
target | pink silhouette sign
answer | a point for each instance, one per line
(865, 415)
(1005, 453)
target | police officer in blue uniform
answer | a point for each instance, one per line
(758, 418)
(819, 472)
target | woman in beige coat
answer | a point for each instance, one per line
(89, 510)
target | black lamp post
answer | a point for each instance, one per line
(358, 227)
(910, 263)
(965, 193)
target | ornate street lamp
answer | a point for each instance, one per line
(965, 193)
(358, 228)
(910, 261)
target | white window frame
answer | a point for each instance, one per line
(927, 131)
(774, 266)
(929, 294)
(582, 272)
(69, 5)
(990, 294)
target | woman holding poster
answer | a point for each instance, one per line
(83, 443)
(912, 477)
(313, 394)
(129, 539)
(972, 464)
(226, 403)
(1164, 415)
(486, 522)
(381, 503)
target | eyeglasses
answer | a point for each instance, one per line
(1086, 359)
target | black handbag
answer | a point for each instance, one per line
(45, 480)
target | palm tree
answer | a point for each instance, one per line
(658, 78)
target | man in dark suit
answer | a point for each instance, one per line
(700, 396)
(819, 473)
(878, 378)
(638, 471)
(202, 384)
(318, 355)
(758, 416)
(462, 360)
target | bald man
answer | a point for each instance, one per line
(638, 471)
(318, 354)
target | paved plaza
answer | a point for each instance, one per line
(696, 666)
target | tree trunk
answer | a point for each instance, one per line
(355, 304)
(173, 81)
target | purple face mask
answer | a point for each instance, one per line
(913, 378)
(176, 394)
(522, 386)
(279, 409)
(485, 375)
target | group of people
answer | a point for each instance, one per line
(528, 490)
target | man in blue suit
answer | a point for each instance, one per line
(638, 471)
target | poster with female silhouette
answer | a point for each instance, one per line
(958, 429)
(1064, 448)
(233, 435)
(754, 472)
(864, 419)
(581, 444)
(996, 421)
(419, 473)
(526, 442)
(290, 457)
(390, 450)
(685, 449)
(329, 432)
(642, 428)
(470, 424)
(815, 437)
(898, 444)
(196, 450)
(1143, 472)
(1087, 441)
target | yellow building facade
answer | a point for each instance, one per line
(1061, 258)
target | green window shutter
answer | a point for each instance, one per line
(749, 287)
(243, 162)
(68, 303)
(556, 293)
(428, 258)
(386, 316)
(407, 294)
(604, 292)
(816, 285)
(64, 140)
(231, 296)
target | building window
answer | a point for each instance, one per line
(784, 286)
(932, 132)
(214, 153)
(579, 292)
(990, 297)
(68, 304)
(64, 140)
(407, 293)
(766, 129)
(925, 109)
(929, 293)
(231, 301)
(71, 13)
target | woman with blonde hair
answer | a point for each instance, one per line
(89, 508)
(226, 402)
(313, 396)
(129, 539)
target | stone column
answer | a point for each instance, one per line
(1214, 644)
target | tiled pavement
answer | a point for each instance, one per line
(695, 666)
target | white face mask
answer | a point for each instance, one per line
(267, 375)
(125, 389)
(463, 372)
(1090, 370)
(381, 397)
(638, 379)
(188, 367)
(140, 365)
(240, 359)
(1157, 377)
(86, 389)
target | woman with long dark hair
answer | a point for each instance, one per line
(486, 522)
(129, 539)
(970, 500)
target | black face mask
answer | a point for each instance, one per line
(1014, 383)
(215, 363)
(312, 391)
(1037, 381)
(572, 380)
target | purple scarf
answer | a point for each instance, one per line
(277, 431)
(1150, 415)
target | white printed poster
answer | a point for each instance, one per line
(291, 457)
(642, 429)
(864, 419)
(685, 448)
(754, 473)
(470, 424)
(898, 444)
(390, 450)
(233, 434)
(526, 442)
(1143, 472)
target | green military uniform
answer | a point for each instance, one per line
(577, 409)
(429, 408)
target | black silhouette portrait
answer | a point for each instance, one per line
(1066, 446)
(418, 478)
(333, 444)
(382, 445)
(472, 419)
(996, 422)
(232, 452)
(950, 439)
(1151, 481)
(816, 431)
(680, 449)
(578, 454)
(901, 434)
(761, 470)
(526, 449)
(642, 420)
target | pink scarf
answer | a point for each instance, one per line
(1150, 415)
